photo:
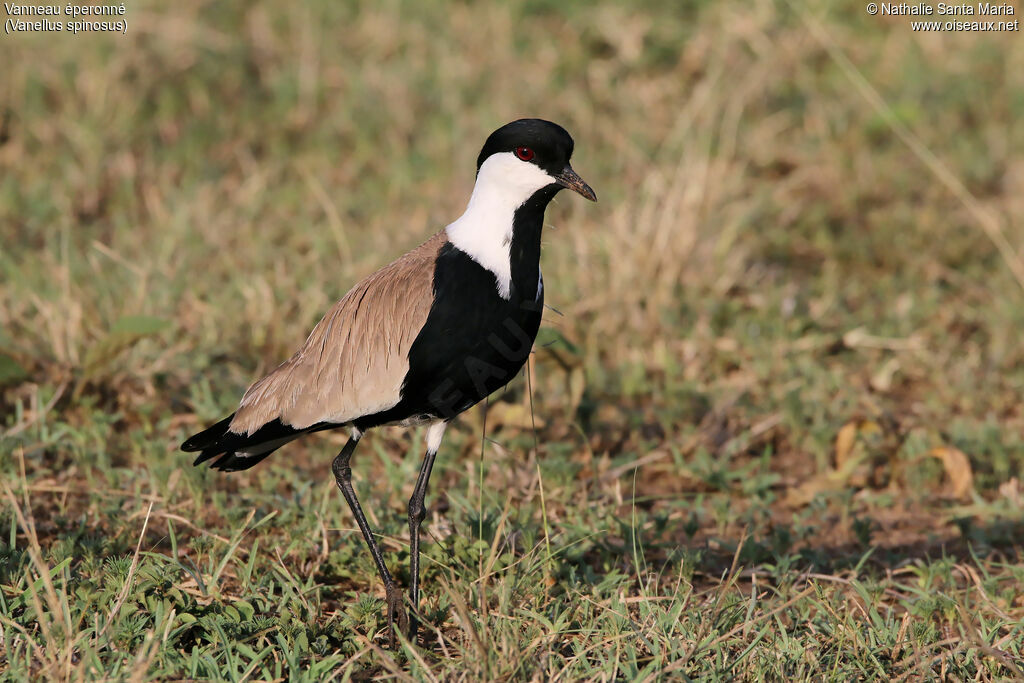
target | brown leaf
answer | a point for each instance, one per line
(958, 469)
(510, 416)
(845, 440)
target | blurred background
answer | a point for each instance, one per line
(793, 317)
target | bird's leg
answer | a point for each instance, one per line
(417, 512)
(343, 475)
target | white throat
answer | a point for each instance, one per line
(484, 231)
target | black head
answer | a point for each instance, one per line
(541, 143)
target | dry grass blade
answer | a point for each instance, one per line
(129, 579)
(465, 621)
(38, 415)
(56, 661)
(386, 660)
(686, 663)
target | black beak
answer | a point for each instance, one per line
(568, 178)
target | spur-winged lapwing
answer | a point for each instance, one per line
(420, 340)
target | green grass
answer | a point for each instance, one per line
(778, 424)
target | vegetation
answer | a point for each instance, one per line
(772, 431)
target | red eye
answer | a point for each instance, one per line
(524, 153)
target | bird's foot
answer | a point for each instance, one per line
(396, 610)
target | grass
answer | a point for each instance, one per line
(778, 423)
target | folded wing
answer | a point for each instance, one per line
(355, 360)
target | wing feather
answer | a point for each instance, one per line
(354, 361)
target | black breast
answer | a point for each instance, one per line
(474, 341)
(472, 344)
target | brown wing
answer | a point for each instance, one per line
(355, 359)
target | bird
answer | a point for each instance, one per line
(420, 340)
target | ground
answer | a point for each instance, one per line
(772, 427)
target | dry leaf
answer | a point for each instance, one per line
(849, 464)
(833, 480)
(508, 415)
(845, 440)
(958, 469)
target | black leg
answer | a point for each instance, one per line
(417, 512)
(343, 475)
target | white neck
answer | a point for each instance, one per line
(484, 231)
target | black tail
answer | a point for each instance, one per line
(208, 437)
(242, 451)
